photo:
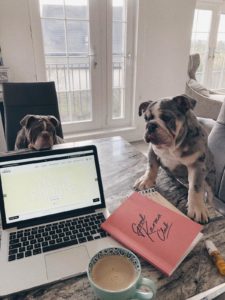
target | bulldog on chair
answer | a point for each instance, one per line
(179, 145)
(38, 132)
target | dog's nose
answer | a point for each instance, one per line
(45, 134)
(152, 127)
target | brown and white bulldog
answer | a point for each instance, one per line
(178, 143)
(38, 133)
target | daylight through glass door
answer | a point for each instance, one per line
(65, 27)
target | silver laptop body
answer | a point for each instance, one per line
(41, 194)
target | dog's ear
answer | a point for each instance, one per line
(54, 121)
(184, 103)
(28, 120)
(143, 106)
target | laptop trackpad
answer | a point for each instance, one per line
(66, 262)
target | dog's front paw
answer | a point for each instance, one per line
(198, 211)
(144, 182)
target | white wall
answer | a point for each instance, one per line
(162, 50)
(164, 38)
(164, 43)
(18, 47)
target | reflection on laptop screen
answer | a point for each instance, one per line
(48, 185)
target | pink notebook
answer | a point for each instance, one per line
(160, 235)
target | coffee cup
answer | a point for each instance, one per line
(115, 274)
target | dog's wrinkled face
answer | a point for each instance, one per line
(40, 131)
(165, 118)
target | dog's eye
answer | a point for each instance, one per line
(169, 120)
(148, 118)
(166, 118)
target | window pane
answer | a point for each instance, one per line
(118, 71)
(76, 9)
(118, 10)
(52, 9)
(118, 103)
(118, 38)
(77, 37)
(218, 74)
(202, 20)
(81, 105)
(200, 38)
(118, 60)
(79, 74)
(54, 36)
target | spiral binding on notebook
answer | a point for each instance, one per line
(151, 190)
(155, 195)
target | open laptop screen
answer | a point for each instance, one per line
(50, 185)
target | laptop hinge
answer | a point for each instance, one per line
(99, 209)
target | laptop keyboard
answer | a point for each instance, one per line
(52, 236)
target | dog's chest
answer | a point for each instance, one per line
(167, 158)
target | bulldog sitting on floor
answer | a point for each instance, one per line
(179, 145)
(38, 133)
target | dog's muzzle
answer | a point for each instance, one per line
(152, 127)
(156, 135)
(150, 134)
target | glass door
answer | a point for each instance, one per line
(208, 39)
(65, 27)
(200, 40)
(218, 69)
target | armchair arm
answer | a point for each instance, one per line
(206, 107)
(216, 142)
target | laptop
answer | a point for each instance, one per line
(52, 205)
